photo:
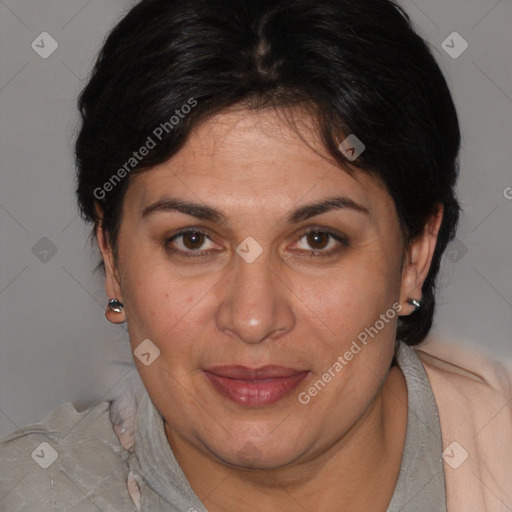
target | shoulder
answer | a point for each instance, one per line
(473, 393)
(469, 383)
(69, 461)
(467, 369)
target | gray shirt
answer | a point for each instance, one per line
(87, 468)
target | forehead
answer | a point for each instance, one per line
(258, 159)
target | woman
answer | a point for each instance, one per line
(271, 185)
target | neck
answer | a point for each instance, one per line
(359, 471)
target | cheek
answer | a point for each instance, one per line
(166, 309)
(352, 296)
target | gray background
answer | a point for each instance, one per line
(55, 344)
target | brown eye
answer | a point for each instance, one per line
(318, 240)
(193, 240)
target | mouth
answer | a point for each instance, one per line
(254, 387)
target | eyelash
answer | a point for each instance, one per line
(342, 240)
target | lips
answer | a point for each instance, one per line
(254, 386)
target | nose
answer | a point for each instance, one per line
(255, 303)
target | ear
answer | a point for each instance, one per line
(112, 282)
(417, 261)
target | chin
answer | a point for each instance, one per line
(259, 455)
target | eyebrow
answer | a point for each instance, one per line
(211, 214)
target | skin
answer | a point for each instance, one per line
(288, 307)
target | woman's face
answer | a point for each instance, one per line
(251, 288)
